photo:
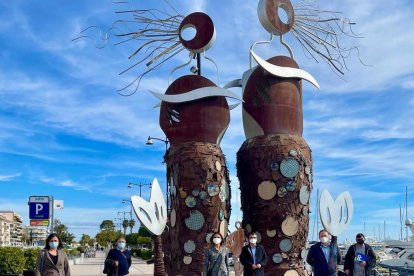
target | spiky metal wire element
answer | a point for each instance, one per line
(156, 31)
(318, 32)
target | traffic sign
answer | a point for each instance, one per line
(36, 222)
(39, 208)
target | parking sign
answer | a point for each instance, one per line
(39, 207)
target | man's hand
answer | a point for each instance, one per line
(254, 266)
(364, 264)
(347, 272)
(116, 263)
(258, 266)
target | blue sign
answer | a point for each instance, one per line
(39, 210)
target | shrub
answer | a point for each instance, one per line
(11, 260)
(31, 255)
(146, 254)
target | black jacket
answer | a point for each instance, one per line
(316, 258)
(246, 260)
(350, 257)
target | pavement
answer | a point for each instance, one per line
(94, 266)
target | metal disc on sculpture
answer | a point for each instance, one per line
(285, 245)
(282, 192)
(289, 167)
(274, 166)
(195, 192)
(301, 175)
(202, 195)
(213, 189)
(304, 195)
(189, 246)
(223, 228)
(293, 153)
(271, 233)
(208, 237)
(266, 190)
(183, 194)
(290, 226)
(259, 237)
(222, 196)
(187, 260)
(190, 201)
(221, 214)
(195, 221)
(291, 272)
(303, 254)
(173, 217)
(307, 170)
(173, 190)
(248, 228)
(277, 258)
(218, 166)
(291, 186)
(225, 189)
(305, 211)
(310, 177)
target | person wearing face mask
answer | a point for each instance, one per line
(216, 257)
(360, 258)
(253, 257)
(52, 260)
(324, 256)
(118, 260)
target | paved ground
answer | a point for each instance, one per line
(94, 266)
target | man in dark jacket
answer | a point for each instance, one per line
(360, 258)
(253, 257)
(324, 256)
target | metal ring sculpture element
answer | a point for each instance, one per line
(205, 32)
(268, 11)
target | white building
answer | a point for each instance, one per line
(15, 230)
(35, 234)
(4, 231)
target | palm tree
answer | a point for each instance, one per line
(159, 267)
(125, 225)
(131, 225)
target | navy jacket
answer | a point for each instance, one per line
(316, 258)
(123, 258)
(246, 260)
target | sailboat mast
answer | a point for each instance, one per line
(406, 212)
(317, 211)
(401, 224)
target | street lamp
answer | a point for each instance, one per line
(118, 223)
(150, 143)
(130, 184)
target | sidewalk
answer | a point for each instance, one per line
(94, 266)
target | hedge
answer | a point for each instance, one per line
(12, 260)
(31, 255)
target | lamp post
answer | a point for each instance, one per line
(130, 184)
(166, 142)
(116, 223)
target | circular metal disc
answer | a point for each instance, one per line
(225, 189)
(310, 177)
(289, 167)
(173, 217)
(266, 190)
(274, 166)
(277, 258)
(285, 245)
(271, 233)
(213, 189)
(248, 228)
(208, 237)
(190, 201)
(195, 192)
(291, 272)
(307, 170)
(173, 190)
(223, 228)
(259, 237)
(195, 221)
(305, 211)
(221, 214)
(189, 246)
(291, 186)
(303, 254)
(187, 260)
(238, 225)
(202, 195)
(282, 192)
(290, 226)
(293, 152)
(218, 166)
(304, 195)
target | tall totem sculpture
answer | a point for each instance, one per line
(274, 164)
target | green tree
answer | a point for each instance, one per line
(63, 232)
(125, 224)
(132, 238)
(107, 224)
(144, 240)
(131, 225)
(107, 236)
(143, 232)
(85, 239)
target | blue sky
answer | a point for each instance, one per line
(64, 130)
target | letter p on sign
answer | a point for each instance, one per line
(39, 207)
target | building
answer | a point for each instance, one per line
(4, 231)
(15, 230)
(35, 235)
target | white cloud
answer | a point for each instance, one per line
(9, 177)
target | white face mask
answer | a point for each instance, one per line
(217, 240)
(253, 240)
(324, 240)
